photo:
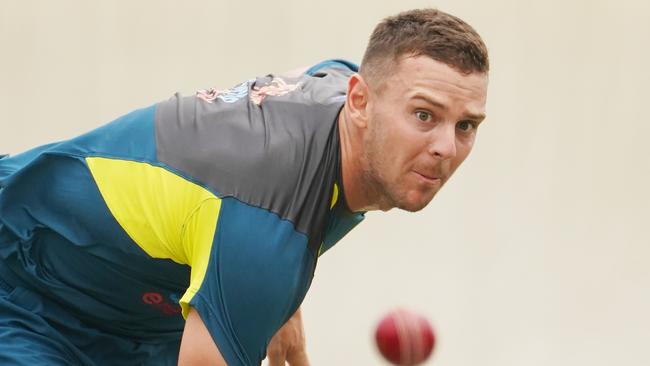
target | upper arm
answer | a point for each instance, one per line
(197, 346)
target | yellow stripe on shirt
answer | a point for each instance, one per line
(163, 213)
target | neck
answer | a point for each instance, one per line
(357, 192)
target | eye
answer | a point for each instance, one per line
(466, 125)
(423, 116)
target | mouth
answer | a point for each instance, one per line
(429, 180)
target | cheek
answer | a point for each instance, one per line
(399, 141)
(463, 150)
(410, 140)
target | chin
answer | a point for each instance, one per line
(414, 205)
(412, 200)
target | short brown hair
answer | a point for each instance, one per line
(427, 32)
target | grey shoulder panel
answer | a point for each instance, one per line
(269, 142)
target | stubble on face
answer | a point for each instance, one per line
(375, 182)
(399, 168)
(389, 194)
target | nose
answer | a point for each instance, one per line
(443, 141)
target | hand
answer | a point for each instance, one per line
(288, 344)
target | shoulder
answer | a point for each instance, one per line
(334, 65)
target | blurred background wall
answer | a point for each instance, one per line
(537, 251)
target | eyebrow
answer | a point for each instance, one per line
(427, 99)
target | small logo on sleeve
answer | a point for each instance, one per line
(276, 87)
(227, 96)
(157, 301)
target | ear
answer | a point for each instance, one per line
(357, 100)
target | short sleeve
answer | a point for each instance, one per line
(250, 271)
(198, 236)
(199, 241)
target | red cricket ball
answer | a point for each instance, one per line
(405, 338)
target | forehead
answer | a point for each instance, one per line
(421, 75)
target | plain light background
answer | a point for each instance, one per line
(537, 251)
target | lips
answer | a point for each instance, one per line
(429, 179)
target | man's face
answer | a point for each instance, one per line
(422, 123)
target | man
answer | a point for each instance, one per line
(199, 220)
